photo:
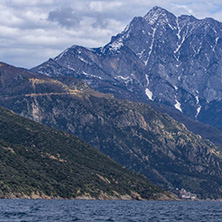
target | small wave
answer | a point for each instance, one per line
(75, 219)
(110, 219)
(15, 214)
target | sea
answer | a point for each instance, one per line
(102, 210)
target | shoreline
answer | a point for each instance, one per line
(103, 196)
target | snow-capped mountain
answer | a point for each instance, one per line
(159, 57)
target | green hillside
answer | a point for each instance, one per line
(39, 162)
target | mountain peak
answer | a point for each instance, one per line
(159, 9)
(157, 13)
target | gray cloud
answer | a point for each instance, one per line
(33, 31)
(65, 17)
(100, 22)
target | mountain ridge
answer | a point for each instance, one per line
(172, 61)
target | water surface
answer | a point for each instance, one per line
(98, 210)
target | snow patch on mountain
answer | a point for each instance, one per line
(61, 55)
(90, 75)
(116, 45)
(178, 106)
(175, 87)
(121, 77)
(198, 111)
(149, 94)
(152, 19)
(43, 73)
(83, 60)
(178, 28)
(151, 46)
(70, 68)
(125, 79)
(147, 91)
(199, 106)
(140, 54)
(147, 79)
(179, 45)
(197, 99)
(173, 28)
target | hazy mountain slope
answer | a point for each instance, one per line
(159, 57)
(133, 134)
(205, 130)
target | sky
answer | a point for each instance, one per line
(32, 31)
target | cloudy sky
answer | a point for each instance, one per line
(31, 31)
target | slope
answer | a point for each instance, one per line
(40, 162)
(133, 134)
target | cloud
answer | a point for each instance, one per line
(183, 9)
(32, 31)
(100, 22)
(65, 17)
(103, 6)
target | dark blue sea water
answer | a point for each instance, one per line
(90, 210)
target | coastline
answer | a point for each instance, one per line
(167, 196)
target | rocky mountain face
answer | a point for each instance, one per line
(41, 162)
(133, 134)
(159, 57)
